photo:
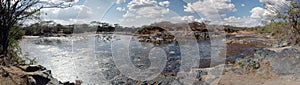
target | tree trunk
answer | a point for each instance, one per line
(5, 41)
(294, 33)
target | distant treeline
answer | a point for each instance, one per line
(230, 29)
(50, 27)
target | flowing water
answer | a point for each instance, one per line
(90, 57)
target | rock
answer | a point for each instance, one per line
(39, 75)
(5, 74)
(29, 75)
(78, 82)
(68, 83)
(278, 44)
(286, 61)
(30, 80)
(200, 83)
(33, 68)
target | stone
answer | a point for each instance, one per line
(284, 62)
(200, 83)
(68, 83)
(78, 82)
(5, 74)
(30, 80)
(33, 68)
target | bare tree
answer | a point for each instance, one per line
(14, 12)
(288, 11)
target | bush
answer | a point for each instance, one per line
(15, 34)
(276, 28)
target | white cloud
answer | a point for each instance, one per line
(129, 22)
(188, 18)
(61, 1)
(270, 5)
(143, 11)
(164, 3)
(134, 21)
(138, 17)
(140, 12)
(242, 22)
(234, 19)
(202, 20)
(128, 14)
(258, 17)
(154, 12)
(275, 2)
(179, 19)
(88, 10)
(71, 21)
(257, 13)
(243, 5)
(138, 4)
(148, 8)
(72, 14)
(121, 9)
(120, 1)
(211, 9)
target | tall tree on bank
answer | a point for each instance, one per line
(14, 12)
(287, 11)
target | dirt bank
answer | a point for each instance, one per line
(29, 75)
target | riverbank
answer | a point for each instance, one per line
(269, 66)
(72, 59)
(266, 64)
(29, 75)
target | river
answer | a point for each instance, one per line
(97, 59)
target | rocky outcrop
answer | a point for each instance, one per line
(285, 61)
(29, 75)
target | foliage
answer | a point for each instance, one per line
(274, 27)
(289, 12)
(143, 30)
(14, 13)
(15, 34)
(40, 28)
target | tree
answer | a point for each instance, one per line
(14, 12)
(287, 11)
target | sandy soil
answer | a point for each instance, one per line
(255, 79)
(14, 78)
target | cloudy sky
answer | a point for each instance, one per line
(244, 13)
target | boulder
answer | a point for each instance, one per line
(39, 75)
(286, 61)
(33, 68)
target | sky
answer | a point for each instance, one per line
(242, 13)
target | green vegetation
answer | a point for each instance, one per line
(285, 23)
(288, 13)
(46, 28)
(273, 27)
(13, 13)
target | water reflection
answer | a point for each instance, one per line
(89, 57)
(139, 48)
(139, 52)
(45, 41)
(106, 38)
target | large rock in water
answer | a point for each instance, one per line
(286, 61)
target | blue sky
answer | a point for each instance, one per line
(243, 13)
(245, 10)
